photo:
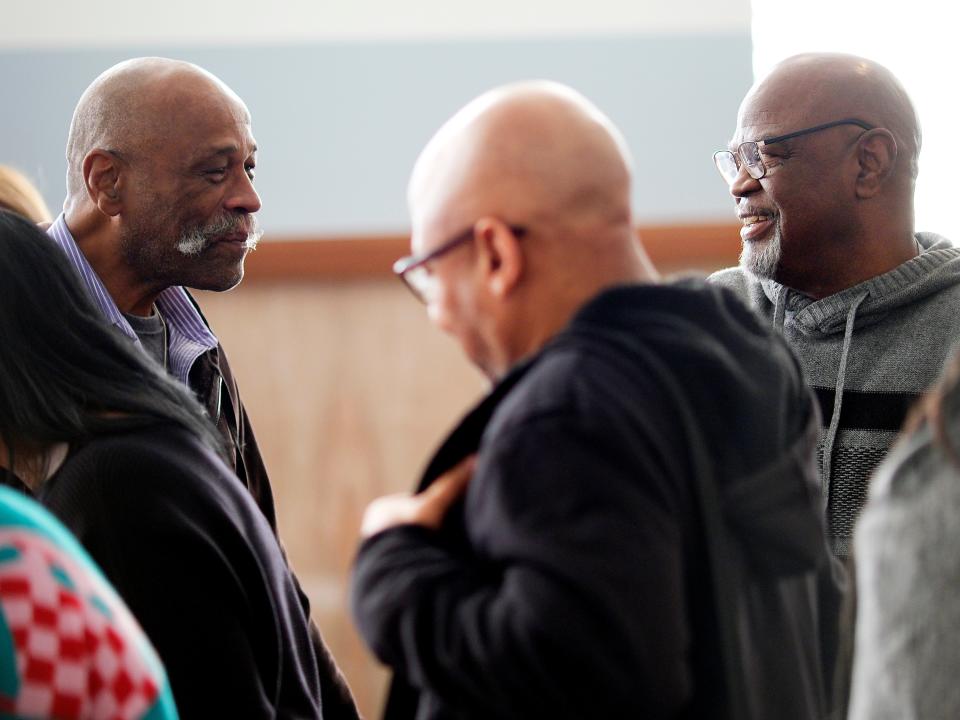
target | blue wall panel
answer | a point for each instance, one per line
(340, 124)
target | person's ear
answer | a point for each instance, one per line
(877, 155)
(102, 173)
(501, 257)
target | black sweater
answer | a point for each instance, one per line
(573, 580)
(193, 557)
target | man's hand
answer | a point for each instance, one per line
(426, 508)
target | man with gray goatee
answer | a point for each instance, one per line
(822, 168)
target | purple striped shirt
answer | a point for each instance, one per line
(188, 335)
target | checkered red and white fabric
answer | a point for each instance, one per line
(77, 651)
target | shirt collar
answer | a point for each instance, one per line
(189, 335)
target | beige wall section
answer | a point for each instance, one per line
(350, 390)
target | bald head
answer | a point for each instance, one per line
(833, 205)
(134, 107)
(823, 87)
(161, 160)
(529, 152)
(539, 180)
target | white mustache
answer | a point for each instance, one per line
(195, 241)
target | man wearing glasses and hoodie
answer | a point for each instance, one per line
(822, 167)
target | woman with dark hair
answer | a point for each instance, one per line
(907, 548)
(126, 459)
(65, 376)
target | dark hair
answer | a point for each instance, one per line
(65, 374)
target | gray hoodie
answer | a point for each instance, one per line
(868, 352)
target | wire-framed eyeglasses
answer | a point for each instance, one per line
(414, 270)
(749, 153)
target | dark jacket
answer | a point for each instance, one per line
(574, 581)
(212, 380)
(199, 567)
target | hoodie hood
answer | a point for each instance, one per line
(935, 268)
(772, 510)
(723, 367)
(869, 352)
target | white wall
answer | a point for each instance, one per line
(917, 42)
(106, 23)
(344, 94)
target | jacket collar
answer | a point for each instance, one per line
(936, 267)
(190, 336)
(465, 437)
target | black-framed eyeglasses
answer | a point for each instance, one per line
(748, 153)
(413, 269)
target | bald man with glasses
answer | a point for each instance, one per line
(564, 556)
(822, 168)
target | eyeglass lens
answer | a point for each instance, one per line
(418, 278)
(750, 155)
(728, 163)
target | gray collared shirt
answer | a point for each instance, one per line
(188, 335)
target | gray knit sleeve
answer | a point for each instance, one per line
(907, 654)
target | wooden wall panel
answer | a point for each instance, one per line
(350, 389)
(670, 247)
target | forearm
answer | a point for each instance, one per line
(525, 639)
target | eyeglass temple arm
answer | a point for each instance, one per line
(816, 128)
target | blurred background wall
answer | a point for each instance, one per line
(348, 386)
(341, 119)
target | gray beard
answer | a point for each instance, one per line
(194, 242)
(765, 262)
